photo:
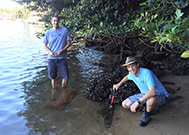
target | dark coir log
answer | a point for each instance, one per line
(126, 90)
(99, 88)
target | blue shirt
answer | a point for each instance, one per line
(147, 79)
(57, 40)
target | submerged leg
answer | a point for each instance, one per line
(54, 83)
(64, 83)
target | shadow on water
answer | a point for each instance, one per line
(81, 114)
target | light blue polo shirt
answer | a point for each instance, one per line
(147, 79)
(57, 40)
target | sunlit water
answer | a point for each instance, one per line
(25, 88)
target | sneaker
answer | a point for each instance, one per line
(144, 120)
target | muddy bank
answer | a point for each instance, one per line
(100, 88)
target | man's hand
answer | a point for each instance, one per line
(52, 54)
(134, 106)
(115, 87)
(58, 53)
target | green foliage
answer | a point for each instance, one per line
(185, 54)
(96, 19)
(164, 22)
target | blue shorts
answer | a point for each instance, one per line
(161, 99)
(55, 65)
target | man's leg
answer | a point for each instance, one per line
(126, 103)
(54, 83)
(130, 100)
(53, 91)
(64, 82)
(63, 69)
(52, 72)
(150, 105)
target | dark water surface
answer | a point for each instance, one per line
(25, 88)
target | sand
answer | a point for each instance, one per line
(172, 119)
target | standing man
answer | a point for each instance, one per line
(56, 42)
(153, 93)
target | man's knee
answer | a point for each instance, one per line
(126, 104)
(152, 101)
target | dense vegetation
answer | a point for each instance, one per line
(160, 24)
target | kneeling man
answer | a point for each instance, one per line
(153, 93)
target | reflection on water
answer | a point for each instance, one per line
(25, 87)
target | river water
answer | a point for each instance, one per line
(25, 88)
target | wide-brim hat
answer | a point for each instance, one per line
(129, 61)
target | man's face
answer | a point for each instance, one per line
(133, 68)
(55, 22)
